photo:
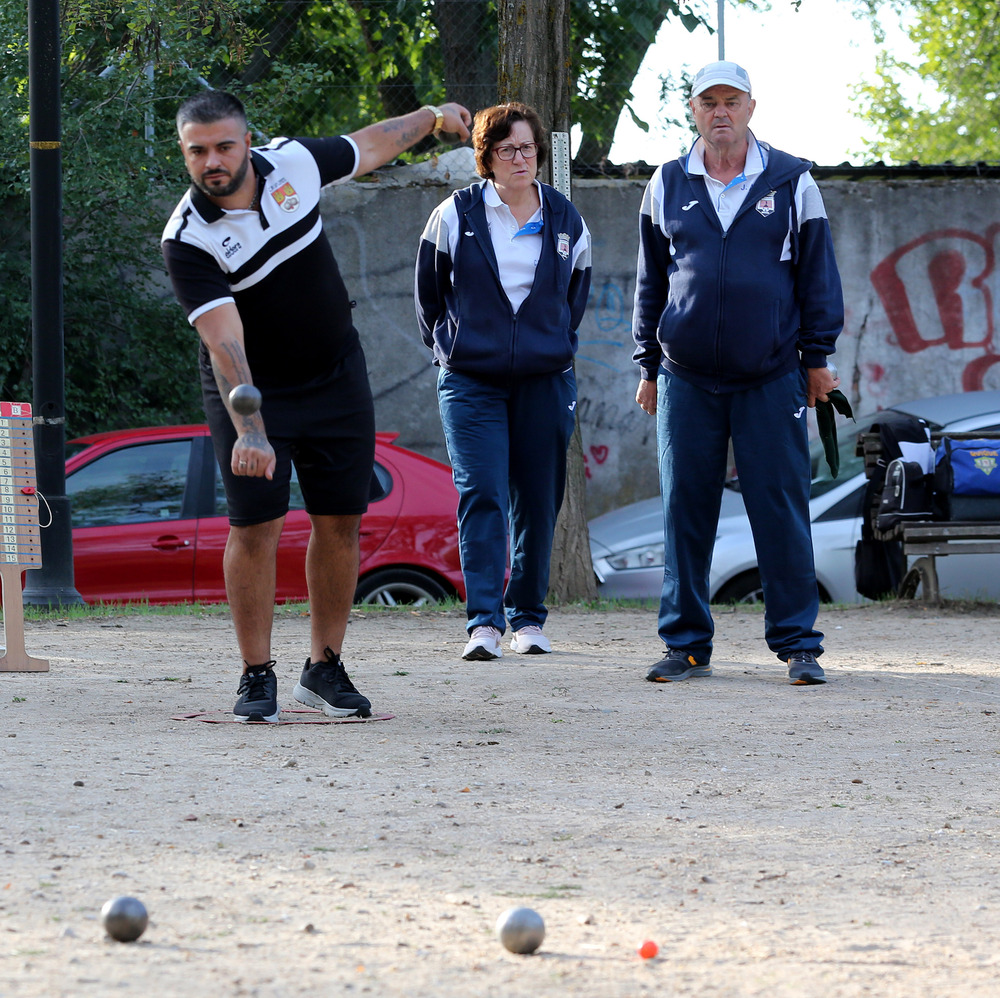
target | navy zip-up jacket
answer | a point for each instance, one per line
(735, 309)
(465, 316)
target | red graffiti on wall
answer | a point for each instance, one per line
(956, 294)
(599, 454)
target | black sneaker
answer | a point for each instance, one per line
(258, 692)
(326, 685)
(804, 670)
(677, 665)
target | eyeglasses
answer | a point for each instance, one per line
(529, 151)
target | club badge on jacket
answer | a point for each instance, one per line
(766, 204)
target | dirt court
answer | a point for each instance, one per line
(836, 840)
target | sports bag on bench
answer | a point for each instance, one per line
(879, 565)
(908, 494)
(902, 437)
(967, 479)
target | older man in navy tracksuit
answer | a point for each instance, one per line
(738, 305)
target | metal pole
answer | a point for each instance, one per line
(52, 584)
(722, 30)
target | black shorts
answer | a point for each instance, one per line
(325, 427)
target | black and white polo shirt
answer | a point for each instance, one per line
(275, 264)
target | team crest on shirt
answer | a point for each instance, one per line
(562, 245)
(286, 197)
(766, 204)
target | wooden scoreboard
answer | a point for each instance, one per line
(20, 543)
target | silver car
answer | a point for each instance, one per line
(626, 545)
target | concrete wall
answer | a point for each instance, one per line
(916, 256)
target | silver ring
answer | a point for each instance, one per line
(243, 464)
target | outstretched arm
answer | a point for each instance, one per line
(385, 140)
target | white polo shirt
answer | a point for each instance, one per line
(727, 199)
(517, 247)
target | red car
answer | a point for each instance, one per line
(150, 524)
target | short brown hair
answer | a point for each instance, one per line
(493, 125)
(209, 106)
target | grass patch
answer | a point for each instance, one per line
(112, 611)
(141, 608)
(559, 890)
(553, 893)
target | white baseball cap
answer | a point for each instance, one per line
(716, 74)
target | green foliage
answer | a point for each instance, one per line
(129, 354)
(610, 40)
(958, 43)
(313, 67)
(343, 65)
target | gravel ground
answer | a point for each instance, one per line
(836, 840)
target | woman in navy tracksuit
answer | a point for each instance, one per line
(502, 278)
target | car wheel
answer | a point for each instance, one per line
(399, 586)
(745, 588)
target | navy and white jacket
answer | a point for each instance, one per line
(734, 309)
(465, 316)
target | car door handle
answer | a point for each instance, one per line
(170, 542)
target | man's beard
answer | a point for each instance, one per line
(226, 189)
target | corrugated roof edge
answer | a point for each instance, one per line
(844, 171)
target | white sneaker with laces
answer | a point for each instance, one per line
(529, 640)
(484, 644)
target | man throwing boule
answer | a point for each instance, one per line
(253, 270)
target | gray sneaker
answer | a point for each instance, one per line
(327, 686)
(677, 665)
(258, 694)
(804, 670)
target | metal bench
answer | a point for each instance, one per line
(931, 539)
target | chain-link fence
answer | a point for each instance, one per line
(307, 67)
(302, 67)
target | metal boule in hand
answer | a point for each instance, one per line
(245, 399)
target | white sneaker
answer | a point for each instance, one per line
(484, 644)
(529, 640)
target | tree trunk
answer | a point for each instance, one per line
(571, 573)
(534, 66)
